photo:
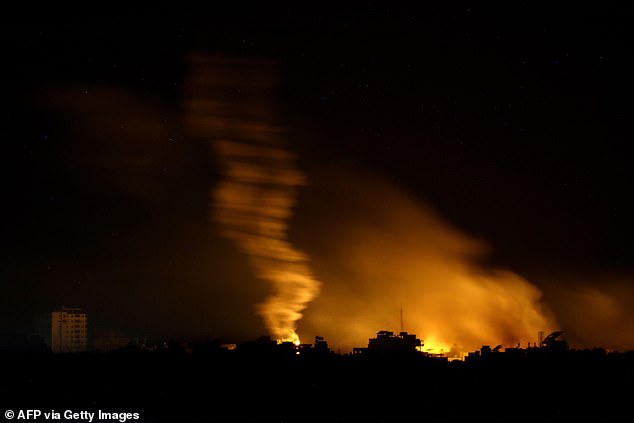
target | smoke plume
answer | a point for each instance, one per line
(595, 310)
(380, 247)
(230, 104)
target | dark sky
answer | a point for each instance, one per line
(511, 120)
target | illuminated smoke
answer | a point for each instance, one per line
(385, 248)
(595, 311)
(229, 102)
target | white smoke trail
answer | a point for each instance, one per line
(229, 103)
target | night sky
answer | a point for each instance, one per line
(511, 121)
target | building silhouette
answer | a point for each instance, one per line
(387, 341)
(321, 345)
(69, 330)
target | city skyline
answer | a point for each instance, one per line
(57, 331)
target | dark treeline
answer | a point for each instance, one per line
(265, 383)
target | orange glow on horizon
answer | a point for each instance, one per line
(294, 340)
(433, 346)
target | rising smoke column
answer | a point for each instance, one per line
(229, 103)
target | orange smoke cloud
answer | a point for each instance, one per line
(596, 311)
(386, 248)
(229, 104)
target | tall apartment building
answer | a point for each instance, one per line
(69, 330)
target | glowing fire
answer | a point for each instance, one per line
(434, 346)
(294, 340)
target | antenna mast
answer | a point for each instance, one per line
(402, 318)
